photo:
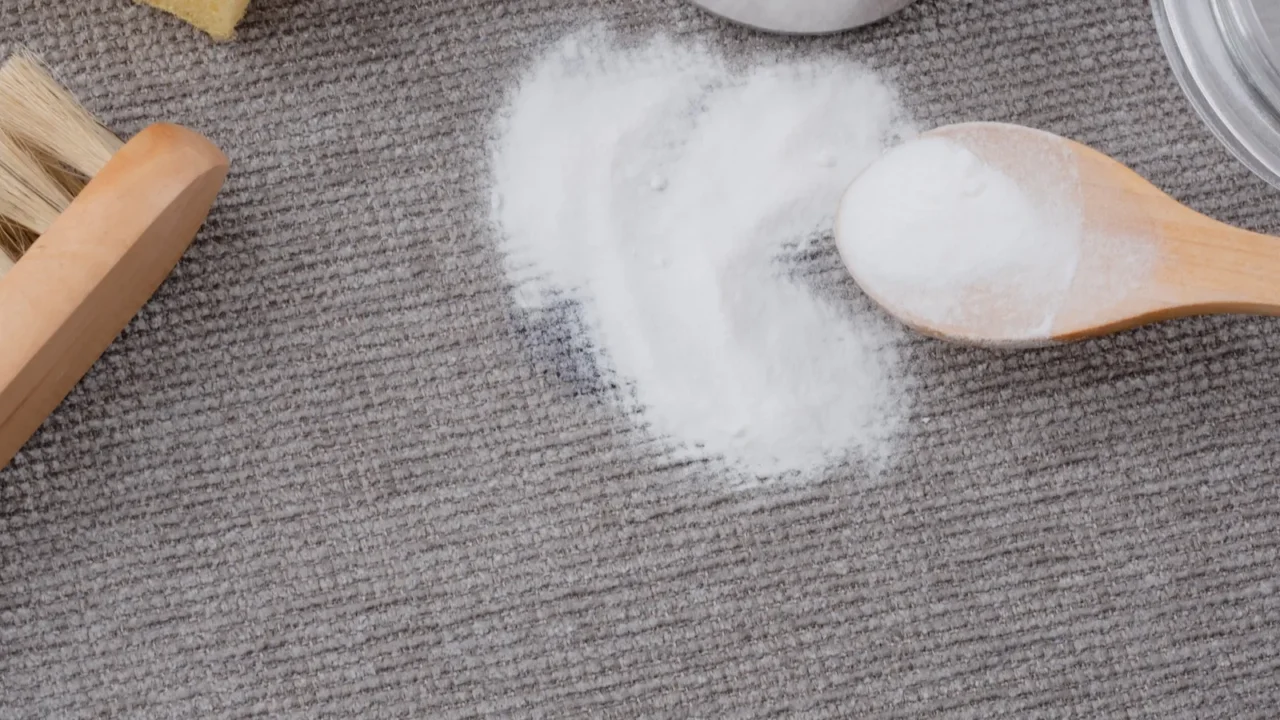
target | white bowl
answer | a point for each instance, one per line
(803, 16)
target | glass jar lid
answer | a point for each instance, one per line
(1226, 55)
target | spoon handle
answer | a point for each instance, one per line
(1215, 268)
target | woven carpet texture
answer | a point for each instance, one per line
(329, 472)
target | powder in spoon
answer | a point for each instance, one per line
(942, 232)
(660, 191)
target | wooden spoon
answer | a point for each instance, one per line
(1193, 265)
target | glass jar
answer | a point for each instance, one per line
(1226, 55)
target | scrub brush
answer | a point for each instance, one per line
(89, 229)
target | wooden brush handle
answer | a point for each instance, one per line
(83, 281)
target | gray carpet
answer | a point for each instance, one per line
(330, 471)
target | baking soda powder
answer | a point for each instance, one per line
(661, 191)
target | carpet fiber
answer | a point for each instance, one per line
(329, 471)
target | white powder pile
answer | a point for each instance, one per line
(659, 189)
(937, 232)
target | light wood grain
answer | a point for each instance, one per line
(82, 282)
(1202, 266)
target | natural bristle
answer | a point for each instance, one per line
(29, 195)
(13, 244)
(49, 147)
(14, 241)
(35, 109)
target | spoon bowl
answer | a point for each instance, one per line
(1136, 256)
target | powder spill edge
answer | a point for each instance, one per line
(660, 190)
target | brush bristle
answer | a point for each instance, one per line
(49, 147)
(14, 241)
(29, 195)
(37, 110)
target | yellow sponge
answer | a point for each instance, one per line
(216, 17)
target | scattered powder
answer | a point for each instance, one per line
(932, 227)
(661, 191)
